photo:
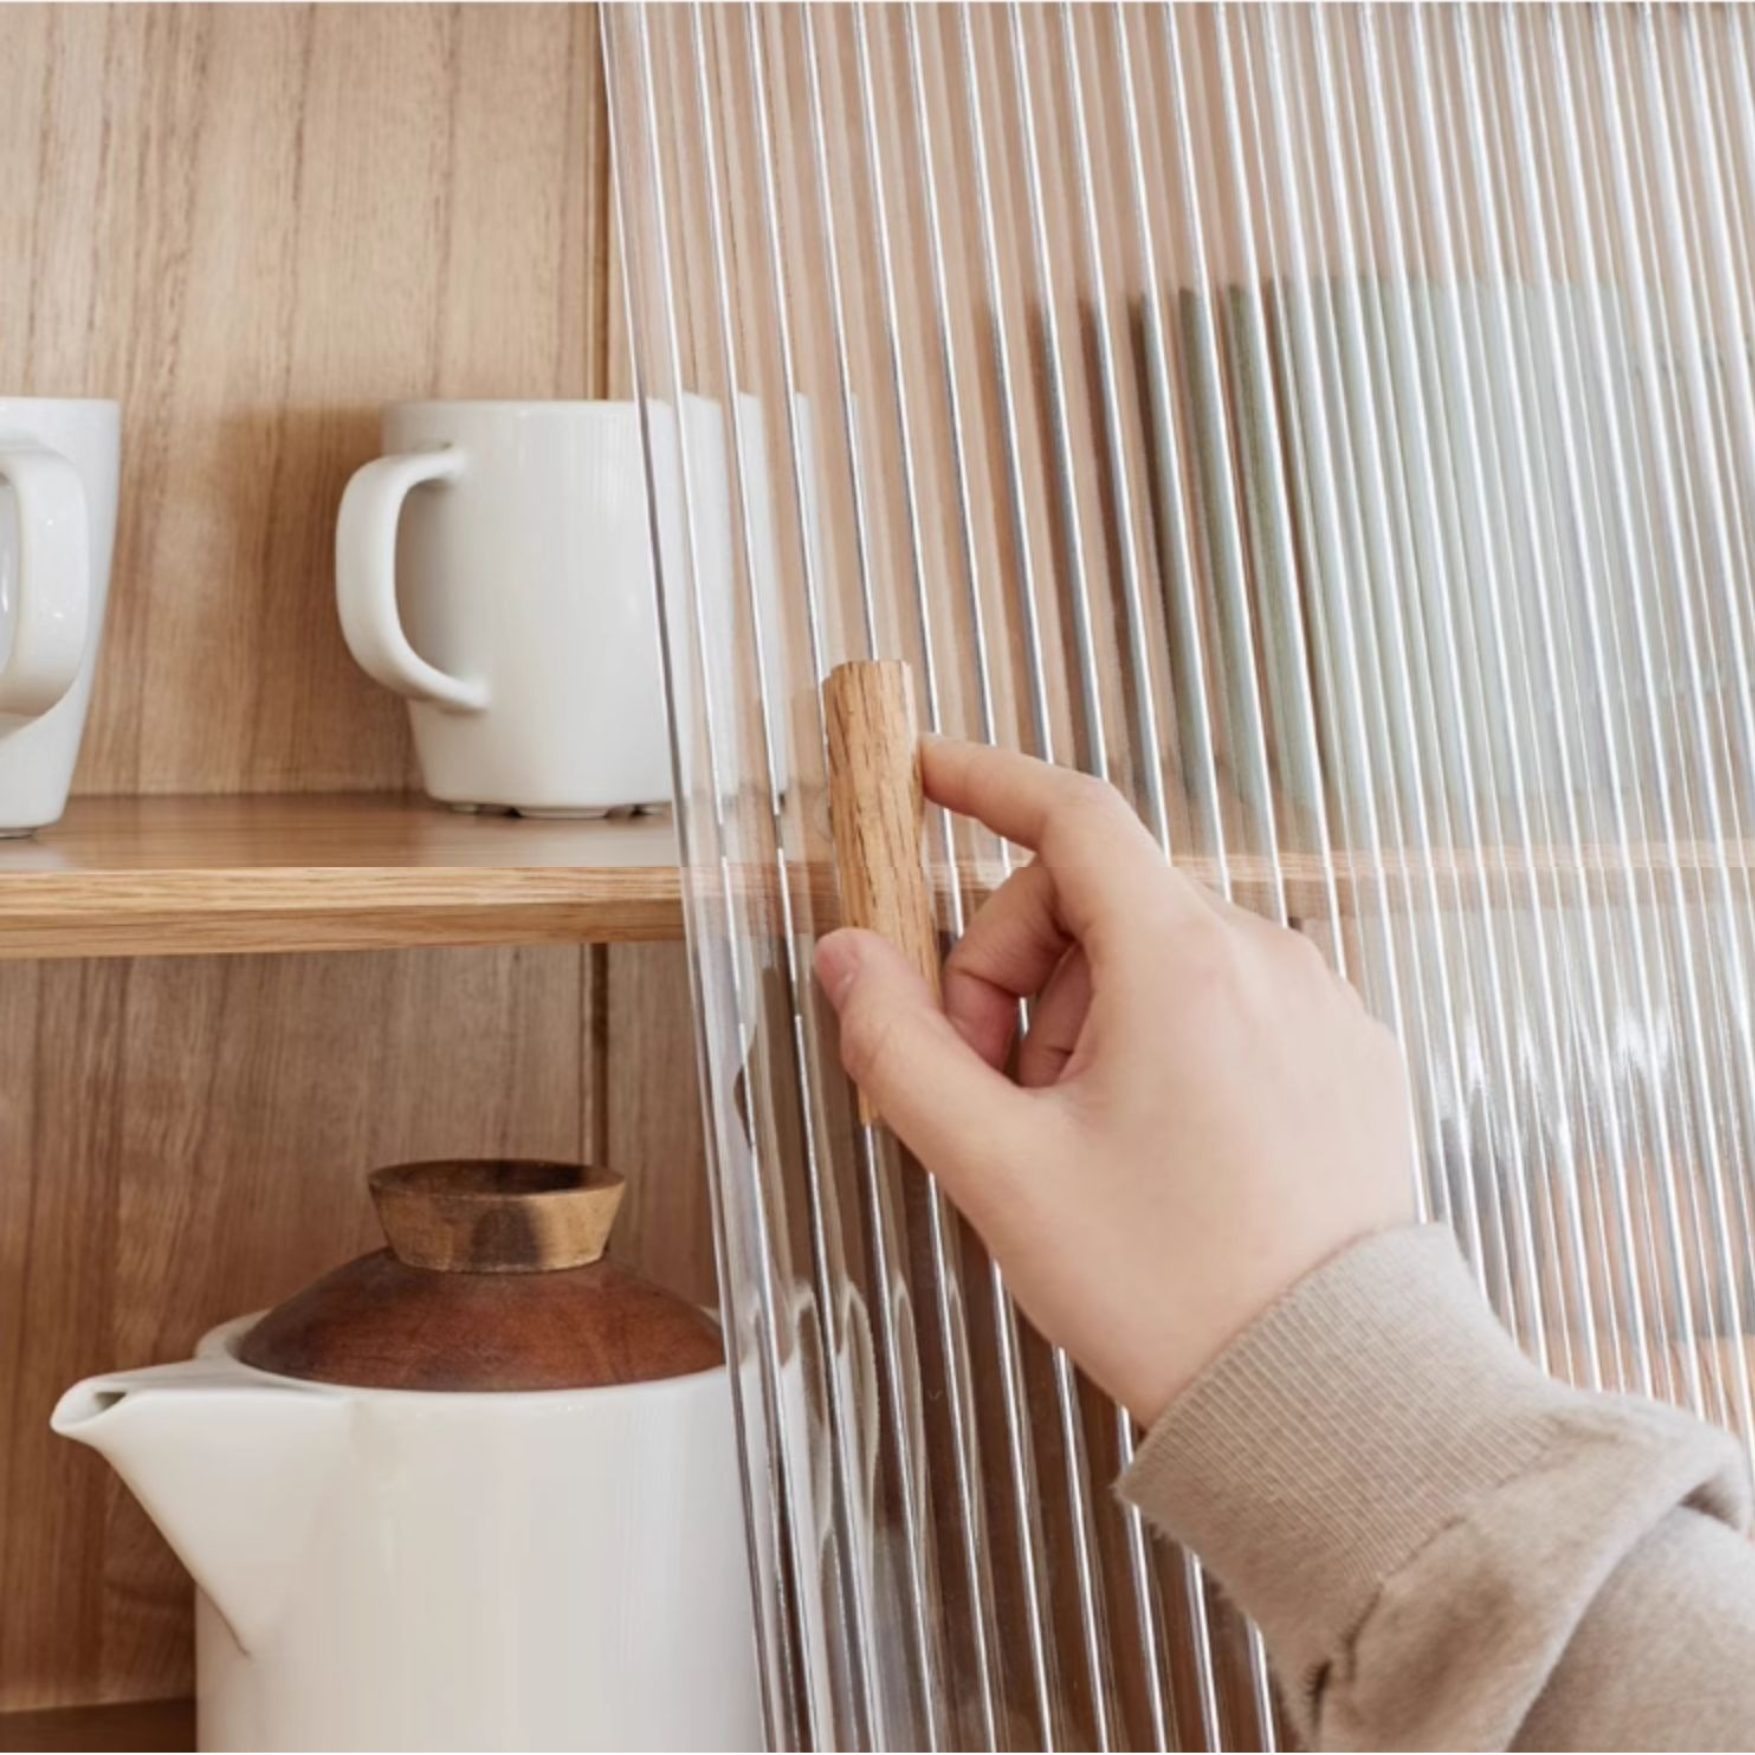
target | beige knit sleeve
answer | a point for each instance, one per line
(1447, 1549)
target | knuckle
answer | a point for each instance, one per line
(1203, 956)
(1303, 953)
(1096, 799)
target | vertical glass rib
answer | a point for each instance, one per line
(1336, 427)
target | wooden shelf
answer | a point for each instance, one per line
(132, 1725)
(129, 877)
(132, 877)
(1466, 880)
(1449, 879)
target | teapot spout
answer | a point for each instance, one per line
(232, 1465)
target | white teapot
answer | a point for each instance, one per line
(475, 1491)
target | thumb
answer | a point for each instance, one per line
(942, 1099)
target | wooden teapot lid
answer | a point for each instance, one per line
(495, 1279)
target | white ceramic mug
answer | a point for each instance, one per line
(59, 463)
(495, 567)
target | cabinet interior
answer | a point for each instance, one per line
(254, 226)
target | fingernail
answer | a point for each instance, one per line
(837, 964)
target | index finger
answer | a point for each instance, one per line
(1107, 869)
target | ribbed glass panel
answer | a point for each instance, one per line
(1336, 426)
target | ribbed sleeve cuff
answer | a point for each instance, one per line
(1378, 1404)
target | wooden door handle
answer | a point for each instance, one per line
(876, 813)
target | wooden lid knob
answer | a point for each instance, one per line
(496, 1216)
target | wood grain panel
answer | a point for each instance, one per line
(194, 1144)
(302, 872)
(287, 872)
(255, 225)
(651, 1125)
(650, 1122)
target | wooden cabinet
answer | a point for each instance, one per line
(253, 226)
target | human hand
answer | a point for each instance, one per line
(1203, 1112)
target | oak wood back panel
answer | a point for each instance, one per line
(254, 225)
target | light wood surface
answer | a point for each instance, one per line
(875, 804)
(1457, 879)
(255, 225)
(876, 807)
(160, 876)
(649, 1124)
(1349, 886)
(292, 872)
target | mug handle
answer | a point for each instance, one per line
(54, 578)
(365, 580)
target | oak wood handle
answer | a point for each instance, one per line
(876, 812)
